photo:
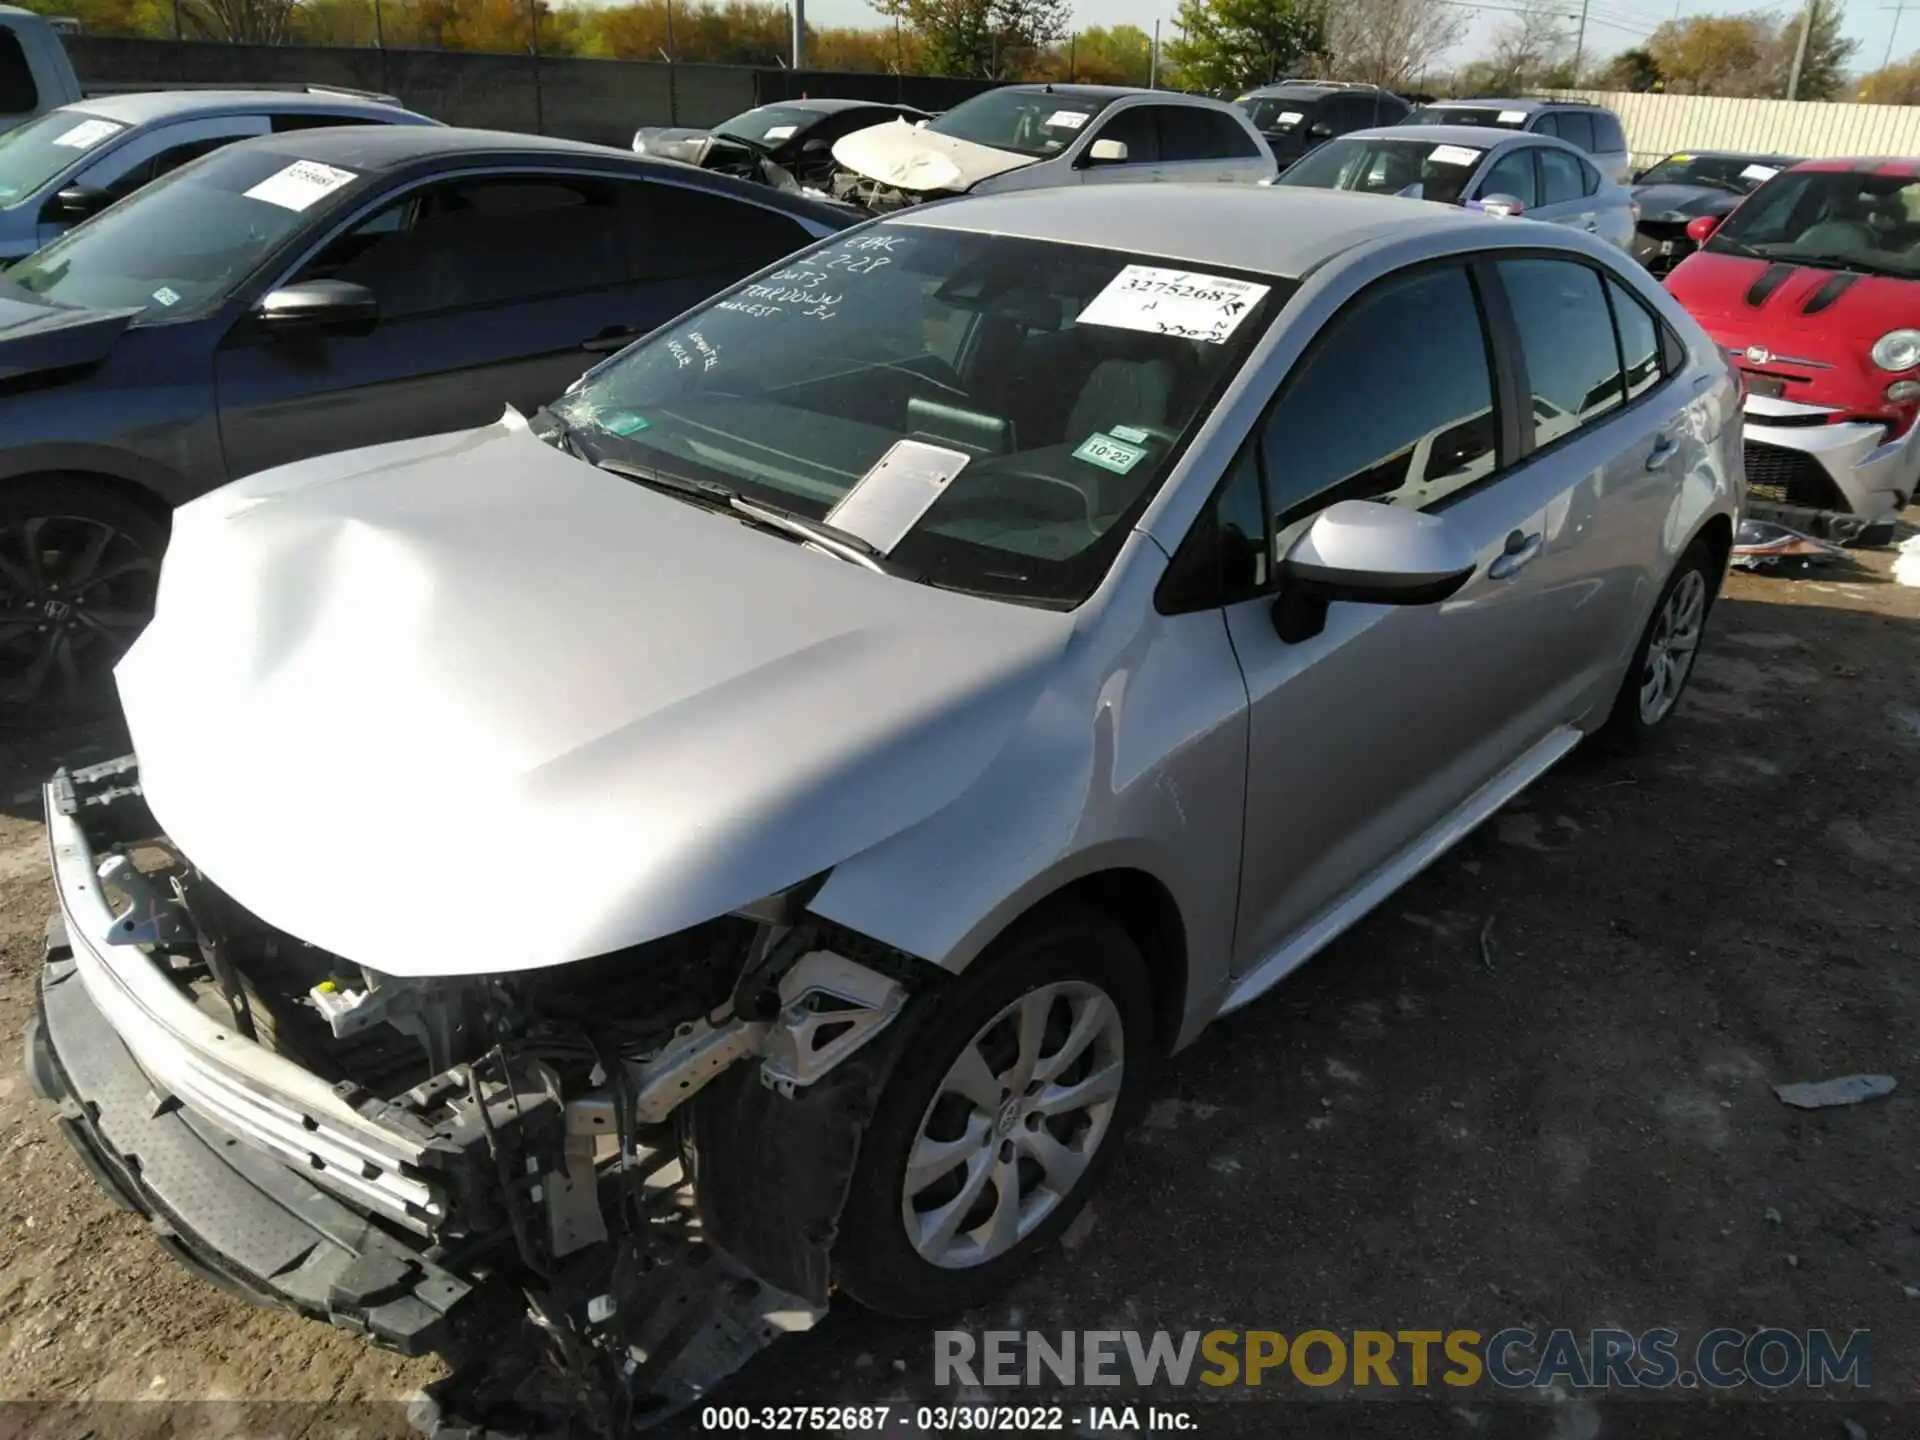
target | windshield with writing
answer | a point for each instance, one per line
(36, 152)
(1846, 219)
(1417, 169)
(1736, 174)
(181, 244)
(1027, 122)
(1047, 389)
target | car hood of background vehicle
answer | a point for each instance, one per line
(1779, 304)
(911, 158)
(1657, 202)
(35, 336)
(466, 704)
(672, 142)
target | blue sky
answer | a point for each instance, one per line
(1612, 25)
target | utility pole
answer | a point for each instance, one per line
(1153, 60)
(673, 77)
(1898, 11)
(1800, 53)
(1580, 42)
(799, 34)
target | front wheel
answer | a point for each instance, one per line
(1663, 661)
(78, 565)
(1006, 1107)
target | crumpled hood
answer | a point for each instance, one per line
(466, 704)
(911, 158)
(672, 142)
(35, 336)
(1660, 202)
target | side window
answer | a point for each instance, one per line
(1576, 128)
(475, 243)
(1560, 177)
(1589, 178)
(172, 158)
(1417, 338)
(1512, 174)
(1230, 137)
(672, 231)
(1566, 339)
(18, 94)
(1607, 134)
(1136, 128)
(1639, 339)
(309, 120)
(1186, 135)
(1546, 123)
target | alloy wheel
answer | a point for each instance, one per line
(1671, 647)
(1014, 1124)
(74, 593)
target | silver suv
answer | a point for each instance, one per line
(1592, 128)
(875, 717)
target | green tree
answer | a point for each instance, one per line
(1716, 55)
(991, 39)
(1121, 55)
(1230, 44)
(1824, 74)
(1629, 70)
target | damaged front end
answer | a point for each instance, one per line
(634, 1163)
(877, 197)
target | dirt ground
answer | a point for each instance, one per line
(1572, 1128)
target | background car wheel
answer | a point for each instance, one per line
(1663, 662)
(1005, 1109)
(78, 566)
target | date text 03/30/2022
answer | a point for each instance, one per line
(947, 1419)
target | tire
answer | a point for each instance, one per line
(1060, 963)
(78, 565)
(1686, 599)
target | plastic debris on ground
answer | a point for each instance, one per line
(1906, 562)
(1844, 1090)
(1763, 544)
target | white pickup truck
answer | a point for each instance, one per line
(35, 73)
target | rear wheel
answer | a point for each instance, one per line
(1663, 662)
(1003, 1112)
(78, 565)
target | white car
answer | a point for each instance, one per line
(1025, 137)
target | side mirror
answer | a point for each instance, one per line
(1502, 205)
(78, 202)
(1638, 176)
(1107, 152)
(1700, 229)
(315, 307)
(815, 147)
(1321, 131)
(1370, 554)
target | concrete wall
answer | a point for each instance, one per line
(1659, 125)
(598, 100)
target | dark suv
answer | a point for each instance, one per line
(1297, 115)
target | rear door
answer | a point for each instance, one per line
(495, 289)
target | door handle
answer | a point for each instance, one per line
(608, 341)
(1662, 452)
(1520, 552)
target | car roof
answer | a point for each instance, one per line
(1483, 102)
(380, 149)
(1478, 137)
(1306, 90)
(1113, 92)
(1866, 164)
(1733, 155)
(1271, 230)
(828, 105)
(145, 107)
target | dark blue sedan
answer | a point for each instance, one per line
(304, 293)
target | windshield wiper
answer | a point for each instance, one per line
(843, 543)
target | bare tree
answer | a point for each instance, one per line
(1391, 43)
(1525, 50)
(244, 22)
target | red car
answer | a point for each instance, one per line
(1813, 287)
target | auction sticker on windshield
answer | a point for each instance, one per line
(1454, 155)
(1513, 117)
(87, 134)
(1067, 119)
(1173, 302)
(1109, 453)
(301, 185)
(888, 501)
(1758, 172)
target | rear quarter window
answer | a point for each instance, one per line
(1607, 134)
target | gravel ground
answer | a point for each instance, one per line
(1570, 1126)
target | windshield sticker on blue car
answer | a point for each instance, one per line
(87, 134)
(1109, 453)
(166, 295)
(1183, 303)
(301, 185)
(888, 501)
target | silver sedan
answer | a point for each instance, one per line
(1538, 176)
(902, 699)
